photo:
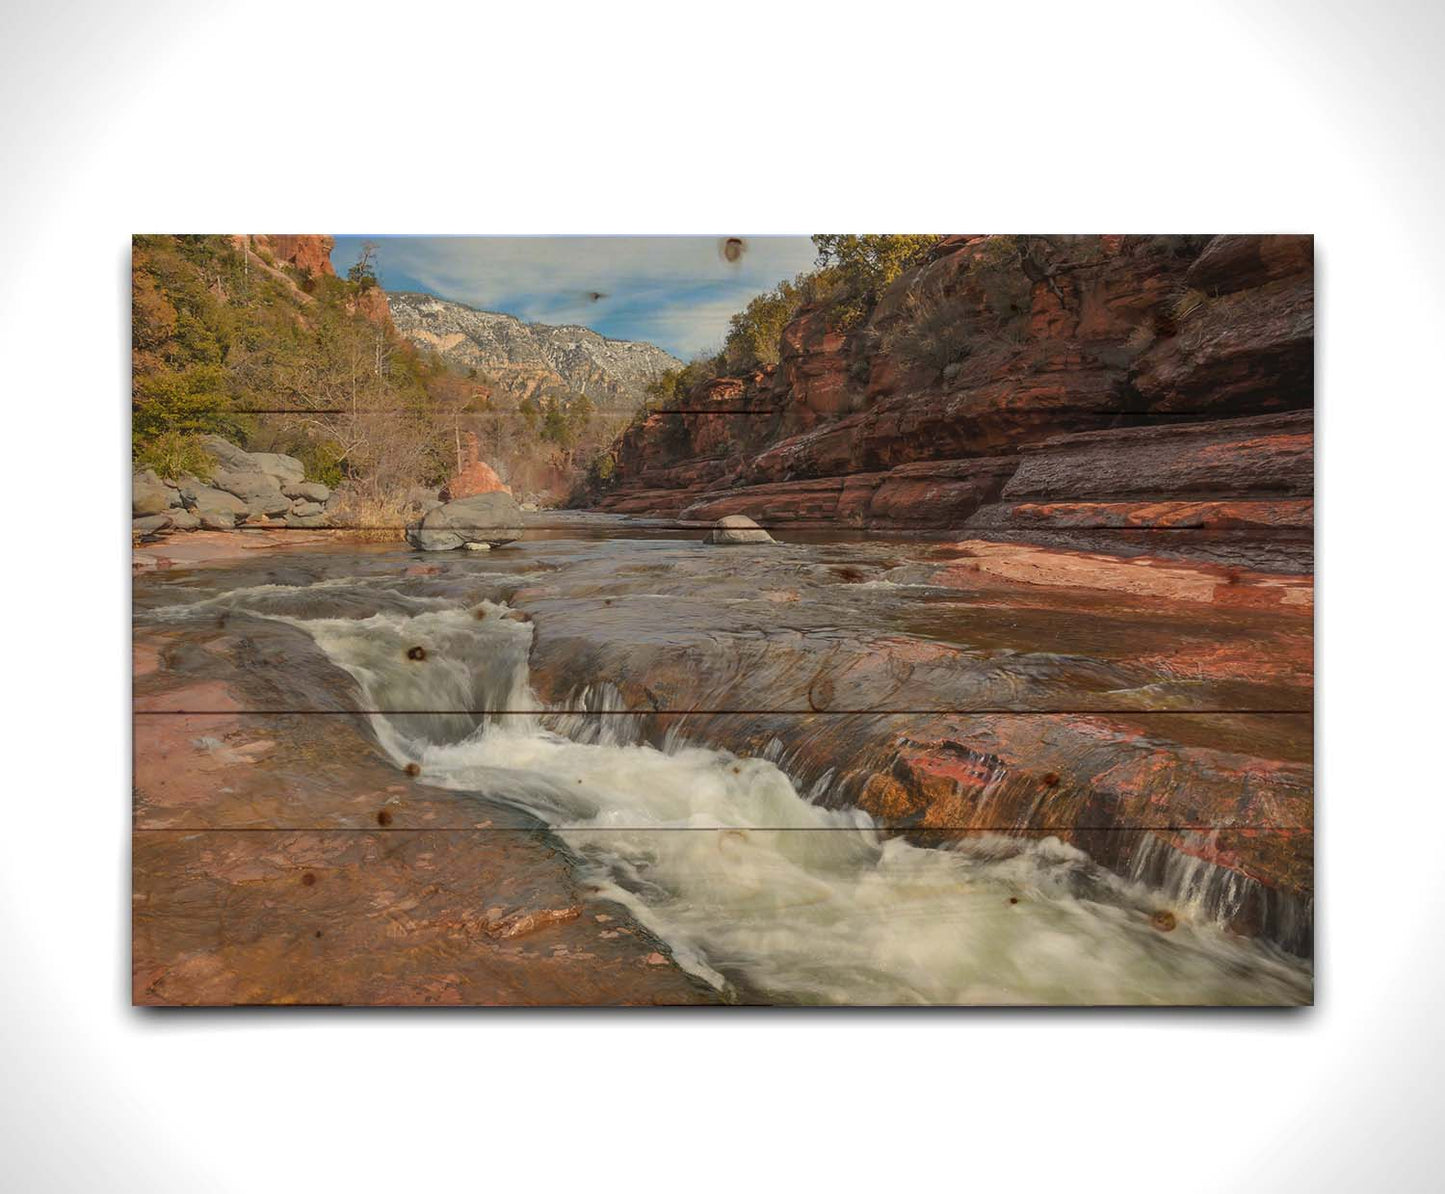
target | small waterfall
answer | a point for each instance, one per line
(764, 893)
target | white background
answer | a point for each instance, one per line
(669, 117)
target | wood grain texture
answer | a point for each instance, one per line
(511, 918)
(410, 918)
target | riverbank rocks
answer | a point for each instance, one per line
(306, 491)
(737, 528)
(149, 495)
(492, 519)
(254, 488)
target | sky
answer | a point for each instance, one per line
(675, 291)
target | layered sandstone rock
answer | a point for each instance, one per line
(352, 882)
(1130, 339)
(940, 714)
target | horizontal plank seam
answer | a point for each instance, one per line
(976, 532)
(1101, 712)
(1069, 828)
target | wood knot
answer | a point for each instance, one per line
(383, 817)
(308, 879)
(1051, 779)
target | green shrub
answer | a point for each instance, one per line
(859, 268)
(191, 401)
(322, 461)
(674, 387)
(173, 455)
(933, 334)
(755, 333)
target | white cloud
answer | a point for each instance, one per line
(675, 290)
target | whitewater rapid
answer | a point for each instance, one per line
(755, 889)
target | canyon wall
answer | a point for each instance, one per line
(1087, 391)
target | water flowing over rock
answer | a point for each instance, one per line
(783, 856)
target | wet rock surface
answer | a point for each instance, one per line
(736, 529)
(351, 882)
(1165, 731)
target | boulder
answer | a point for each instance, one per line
(737, 528)
(311, 491)
(217, 520)
(306, 520)
(149, 523)
(182, 519)
(232, 459)
(490, 518)
(284, 468)
(150, 495)
(306, 509)
(227, 455)
(205, 500)
(253, 487)
(474, 475)
(270, 505)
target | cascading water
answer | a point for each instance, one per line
(755, 889)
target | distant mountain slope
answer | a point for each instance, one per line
(532, 360)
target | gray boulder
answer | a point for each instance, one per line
(306, 520)
(227, 455)
(268, 504)
(182, 519)
(489, 518)
(260, 491)
(150, 495)
(151, 522)
(217, 520)
(283, 468)
(306, 509)
(311, 491)
(204, 500)
(737, 528)
(232, 459)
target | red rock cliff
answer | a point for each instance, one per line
(1093, 383)
(309, 254)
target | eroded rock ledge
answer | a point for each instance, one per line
(279, 858)
(1150, 389)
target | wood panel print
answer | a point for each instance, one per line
(864, 620)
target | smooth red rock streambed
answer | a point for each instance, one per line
(613, 764)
